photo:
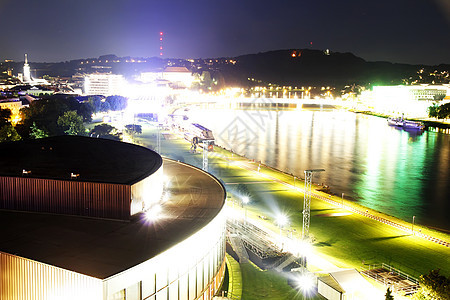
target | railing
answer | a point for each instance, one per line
(378, 273)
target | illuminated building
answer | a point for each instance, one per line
(73, 223)
(26, 71)
(14, 105)
(180, 77)
(26, 76)
(412, 101)
(104, 84)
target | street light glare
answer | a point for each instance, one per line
(245, 200)
(282, 220)
(305, 282)
(153, 213)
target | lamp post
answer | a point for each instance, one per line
(342, 199)
(281, 221)
(245, 201)
(412, 228)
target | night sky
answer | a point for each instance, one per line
(407, 31)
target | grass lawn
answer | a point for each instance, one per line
(268, 284)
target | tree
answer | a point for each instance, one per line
(9, 134)
(433, 110)
(5, 115)
(388, 295)
(117, 103)
(96, 103)
(71, 123)
(102, 129)
(44, 114)
(433, 286)
(37, 133)
(133, 128)
(439, 111)
(444, 111)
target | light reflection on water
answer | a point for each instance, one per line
(401, 173)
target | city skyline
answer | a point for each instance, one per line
(411, 32)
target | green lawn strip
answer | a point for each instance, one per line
(268, 284)
(353, 239)
(235, 277)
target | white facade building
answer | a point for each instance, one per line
(180, 77)
(104, 84)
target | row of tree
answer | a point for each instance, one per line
(439, 111)
(58, 115)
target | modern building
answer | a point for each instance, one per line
(104, 84)
(84, 218)
(180, 77)
(412, 100)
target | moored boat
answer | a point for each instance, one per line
(406, 124)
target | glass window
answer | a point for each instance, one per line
(149, 286)
(161, 278)
(162, 294)
(173, 291)
(133, 292)
(199, 277)
(120, 295)
(192, 283)
(183, 286)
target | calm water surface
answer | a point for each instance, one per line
(401, 173)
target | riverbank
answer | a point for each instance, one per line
(430, 123)
(346, 238)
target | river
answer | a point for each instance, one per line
(400, 173)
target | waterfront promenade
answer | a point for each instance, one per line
(344, 233)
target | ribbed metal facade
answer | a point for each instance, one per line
(103, 200)
(24, 279)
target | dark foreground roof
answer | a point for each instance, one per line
(95, 160)
(102, 248)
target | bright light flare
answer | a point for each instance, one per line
(282, 220)
(305, 282)
(245, 200)
(154, 213)
(166, 180)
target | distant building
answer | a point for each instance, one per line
(412, 101)
(26, 76)
(14, 105)
(180, 77)
(104, 84)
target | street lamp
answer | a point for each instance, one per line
(412, 228)
(245, 201)
(281, 221)
(342, 199)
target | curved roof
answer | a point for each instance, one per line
(95, 160)
(102, 248)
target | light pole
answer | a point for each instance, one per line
(294, 182)
(342, 199)
(245, 201)
(281, 220)
(412, 228)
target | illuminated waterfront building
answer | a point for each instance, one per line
(412, 101)
(84, 218)
(104, 84)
